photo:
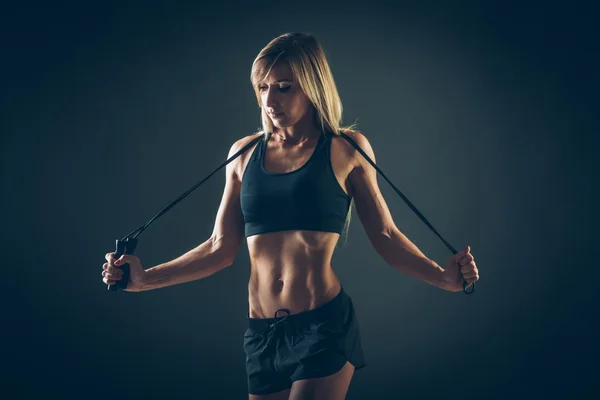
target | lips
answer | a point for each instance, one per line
(276, 115)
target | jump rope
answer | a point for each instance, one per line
(128, 243)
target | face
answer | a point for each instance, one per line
(282, 98)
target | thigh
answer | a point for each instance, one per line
(283, 395)
(264, 381)
(332, 387)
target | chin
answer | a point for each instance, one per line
(281, 124)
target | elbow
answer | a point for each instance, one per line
(387, 232)
(227, 261)
(382, 238)
(225, 252)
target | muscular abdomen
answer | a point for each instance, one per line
(291, 270)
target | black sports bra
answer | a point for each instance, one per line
(308, 198)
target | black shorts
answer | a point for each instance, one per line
(310, 344)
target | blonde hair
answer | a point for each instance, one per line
(306, 58)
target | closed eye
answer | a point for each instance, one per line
(281, 89)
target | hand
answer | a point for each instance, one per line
(112, 273)
(459, 268)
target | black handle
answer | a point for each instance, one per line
(465, 287)
(126, 246)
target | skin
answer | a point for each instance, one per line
(292, 269)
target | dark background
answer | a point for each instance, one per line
(482, 113)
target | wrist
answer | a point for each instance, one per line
(140, 284)
(147, 280)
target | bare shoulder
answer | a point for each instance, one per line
(343, 146)
(238, 165)
(240, 143)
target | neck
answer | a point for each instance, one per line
(301, 132)
(294, 139)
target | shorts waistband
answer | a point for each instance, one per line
(319, 314)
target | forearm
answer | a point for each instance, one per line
(198, 263)
(405, 257)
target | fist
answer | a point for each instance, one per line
(460, 268)
(111, 272)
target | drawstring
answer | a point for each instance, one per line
(270, 334)
(279, 320)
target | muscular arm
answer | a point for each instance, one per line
(219, 250)
(391, 244)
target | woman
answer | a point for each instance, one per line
(290, 196)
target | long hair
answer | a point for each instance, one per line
(306, 58)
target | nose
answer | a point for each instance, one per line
(270, 100)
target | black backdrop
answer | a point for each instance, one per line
(482, 113)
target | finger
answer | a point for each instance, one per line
(109, 274)
(110, 257)
(468, 268)
(110, 267)
(114, 270)
(124, 259)
(108, 281)
(465, 259)
(113, 277)
(470, 275)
